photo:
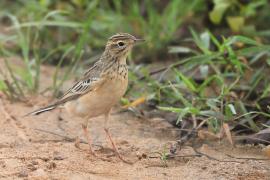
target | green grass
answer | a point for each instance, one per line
(229, 88)
(29, 41)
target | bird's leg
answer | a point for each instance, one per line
(106, 129)
(88, 138)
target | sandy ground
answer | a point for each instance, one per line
(26, 152)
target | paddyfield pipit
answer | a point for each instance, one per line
(100, 87)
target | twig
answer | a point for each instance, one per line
(240, 138)
(177, 64)
(156, 165)
(182, 156)
(188, 136)
(228, 155)
(65, 138)
(191, 134)
(171, 156)
(166, 69)
(155, 72)
(26, 158)
(49, 140)
(210, 157)
(247, 158)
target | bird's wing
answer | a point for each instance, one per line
(90, 80)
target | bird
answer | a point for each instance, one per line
(99, 88)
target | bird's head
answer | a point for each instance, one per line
(120, 44)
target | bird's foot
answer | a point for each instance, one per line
(122, 159)
(115, 148)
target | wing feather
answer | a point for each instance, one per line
(89, 81)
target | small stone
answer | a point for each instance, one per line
(144, 155)
(51, 165)
(34, 162)
(45, 159)
(141, 155)
(2, 164)
(23, 173)
(266, 151)
(57, 156)
(31, 167)
(123, 142)
(40, 173)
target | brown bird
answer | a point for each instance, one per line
(100, 87)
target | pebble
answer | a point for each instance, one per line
(23, 173)
(51, 165)
(57, 156)
(39, 173)
(266, 151)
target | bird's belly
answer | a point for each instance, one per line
(99, 101)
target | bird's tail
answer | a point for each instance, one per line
(53, 106)
(41, 110)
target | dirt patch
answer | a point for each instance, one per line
(28, 152)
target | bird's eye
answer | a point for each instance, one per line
(121, 44)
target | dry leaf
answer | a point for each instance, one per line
(228, 133)
(136, 102)
(206, 135)
(266, 151)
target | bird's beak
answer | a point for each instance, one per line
(139, 40)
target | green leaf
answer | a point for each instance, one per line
(204, 70)
(208, 80)
(229, 112)
(5, 38)
(190, 84)
(214, 40)
(182, 111)
(232, 109)
(236, 23)
(266, 91)
(124, 101)
(2, 85)
(69, 24)
(180, 49)
(253, 50)
(268, 62)
(180, 96)
(247, 118)
(171, 109)
(205, 39)
(242, 39)
(219, 9)
(201, 41)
